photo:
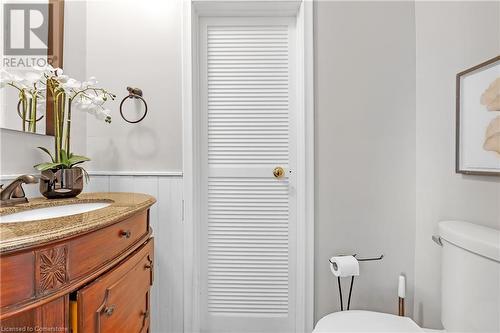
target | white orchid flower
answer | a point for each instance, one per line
(62, 78)
(92, 104)
(57, 71)
(30, 79)
(47, 69)
(16, 78)
(84, 105)
(71, 84)
(5, 75)
(5, 78)
(102, 114)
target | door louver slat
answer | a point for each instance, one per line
(248, 124)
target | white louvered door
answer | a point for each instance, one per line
(248, 241)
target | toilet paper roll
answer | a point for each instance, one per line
(344, 266)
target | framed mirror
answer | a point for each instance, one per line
(33, 35)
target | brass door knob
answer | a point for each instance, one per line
(278, 172)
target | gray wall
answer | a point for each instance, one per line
(450, 37)
(141, 48)
(365, 148)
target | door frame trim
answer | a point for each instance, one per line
(302, 10)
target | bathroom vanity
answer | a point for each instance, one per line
(86, 272)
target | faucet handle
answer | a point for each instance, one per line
(18, 192)
(28, 179)
(13, 193)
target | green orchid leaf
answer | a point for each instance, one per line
(47, 166)
(87, 176)
(76, 159)
(48, 153)
(64, 157)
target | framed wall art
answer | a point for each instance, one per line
(478, 119)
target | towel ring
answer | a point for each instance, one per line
(21, 116)
(134, 93)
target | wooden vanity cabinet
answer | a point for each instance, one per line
(98, 282)
(118, 301)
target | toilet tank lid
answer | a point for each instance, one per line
(472, 237)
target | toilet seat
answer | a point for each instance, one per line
(365, 321)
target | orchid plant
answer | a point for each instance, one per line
(31, 95)
(65, 94)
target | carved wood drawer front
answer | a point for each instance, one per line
(93, 250)
(118, 301)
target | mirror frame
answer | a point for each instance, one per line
(55, 52)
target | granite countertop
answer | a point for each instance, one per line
(20, 235)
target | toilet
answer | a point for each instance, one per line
(470, 288)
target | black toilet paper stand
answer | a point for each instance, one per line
(352, 280)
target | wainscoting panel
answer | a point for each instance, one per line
(97, 184)
(166, 221)
(171, 256)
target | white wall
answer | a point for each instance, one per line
(139, 45)
(365, 148)
(450, 37)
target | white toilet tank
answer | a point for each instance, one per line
(470, 280)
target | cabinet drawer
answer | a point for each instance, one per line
(118, 301)
(88, 252)
(16, 278)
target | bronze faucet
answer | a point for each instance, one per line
(13, 193)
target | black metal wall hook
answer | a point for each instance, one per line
(134, 93)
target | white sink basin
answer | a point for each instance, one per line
(52, 212)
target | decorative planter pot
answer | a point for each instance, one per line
(62, 183)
